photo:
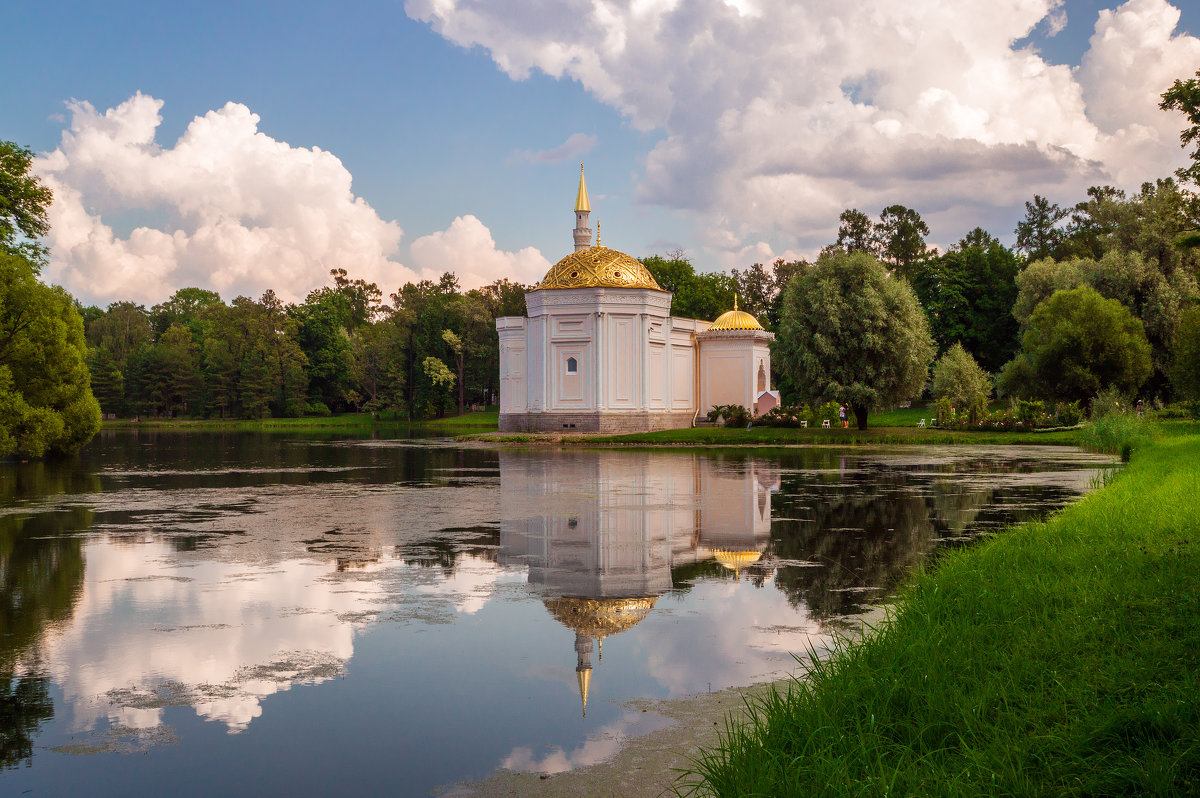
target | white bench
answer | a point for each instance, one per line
(804, 424)
(825, 423)
(921, 423)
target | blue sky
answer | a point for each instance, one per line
(679, 100)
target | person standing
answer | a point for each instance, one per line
(842, 416)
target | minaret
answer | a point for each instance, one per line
(583, 233)
(583, 667)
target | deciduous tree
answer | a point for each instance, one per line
(850, 333)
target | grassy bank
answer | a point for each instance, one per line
(781, 436)
(1060, 658)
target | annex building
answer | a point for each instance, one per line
(599, 350)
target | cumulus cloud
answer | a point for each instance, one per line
(797, 110)
(576, 144)
(226, 208)
(467, 248)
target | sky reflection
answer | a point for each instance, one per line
(440, 610)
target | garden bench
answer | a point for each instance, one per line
(804, 424)
(825, 423)
(921, 423)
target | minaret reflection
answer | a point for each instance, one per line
(601, 532)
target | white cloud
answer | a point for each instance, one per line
(778, 114)
(467, 248)
(576, 144)
(233, 210)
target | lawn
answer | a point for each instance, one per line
(1059, 658)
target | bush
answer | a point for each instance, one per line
(734, 415)
(957, 377)
(316, 409)
(1068, 414)
(1110, 400)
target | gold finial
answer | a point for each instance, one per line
(735, 301)
(585, 680)
(581, 199)
(597, 232)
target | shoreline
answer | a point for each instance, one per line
(657, 762)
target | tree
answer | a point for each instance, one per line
(856, 233)
(957, 377)
(850, 333)
(901, 236)
(1077, 343)
(977, 237)
(697, 296)
(1038, 234)
(760, 290)
(1184, 96)
(1185, 365)
(1038, 281)
(46, 402)
(968, 294)
(24, 202)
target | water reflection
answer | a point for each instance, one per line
(445, 610)
(601, 532)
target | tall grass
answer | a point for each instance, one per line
(1116, 433)
(1060, 658)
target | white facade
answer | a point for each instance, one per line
(599, 350)
(735, 368)
(598, 359)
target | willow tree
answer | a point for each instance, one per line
(850, 333)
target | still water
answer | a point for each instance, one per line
(244, 614)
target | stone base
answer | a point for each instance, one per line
(612, 422)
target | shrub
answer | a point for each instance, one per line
(316, 409)
(1068, 414)
(734, 415)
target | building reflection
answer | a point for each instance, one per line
(602, 532)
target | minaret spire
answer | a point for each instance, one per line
(583, 234)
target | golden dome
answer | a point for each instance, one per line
(735, 320)
(598, 267)
(600, 617)
(735, 560)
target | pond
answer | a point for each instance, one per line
(237, 614)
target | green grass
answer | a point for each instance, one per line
(777, 436)
(1059, 658)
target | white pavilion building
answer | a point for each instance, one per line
(600, 351)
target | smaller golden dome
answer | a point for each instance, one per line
(735, 320)
(598, 267)
(735, 560)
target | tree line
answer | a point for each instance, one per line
(1101, 294)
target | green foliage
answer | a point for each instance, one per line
(1185, 364)
(760, 292)
(697, 296)
(1039, 234)
(24, 202)
(1184, 96)
(1076, 343)
(901, 234)
(732, 415)
(849, 333)
(46, 402)
(957, 377)
(968, 295)
(856, 233)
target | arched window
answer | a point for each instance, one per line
(572, 366)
